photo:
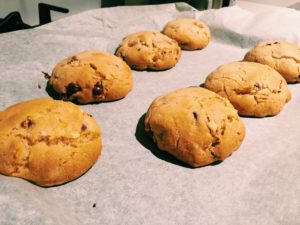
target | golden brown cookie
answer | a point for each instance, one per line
(191, 34)
(195, 125)
(92, 76)
(149, 50)
(280, 55)
(254, 89)
(48, 142)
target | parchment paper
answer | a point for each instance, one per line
(132, 182)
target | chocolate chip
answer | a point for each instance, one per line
(46, 75)
(215, 143)
(89, 115)
(154, 58)
(83, 127)
(26, 124)
(132, 43)
(94, 205)
(214, 154)
(39, 86)
(123, 57)
(195, 116)
(73, 59)
(268, 44)
(98, 88)
(93, 66)
(72, 88)
(276, 43)
(257, 85)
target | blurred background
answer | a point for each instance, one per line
(20, 14)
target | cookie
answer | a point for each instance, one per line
(191, 34)
(195, 125)
(149, 50)
(48, 142)
(254, 89)
(91, 76)
(280, 55)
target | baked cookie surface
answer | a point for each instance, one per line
(92, 76)
(48, 142)
(149, 50)
(191, 34)
(195, 125)
(280, 55)
(253, 89)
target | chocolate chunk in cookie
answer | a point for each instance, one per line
(81, 78)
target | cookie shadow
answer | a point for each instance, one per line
(144, 139)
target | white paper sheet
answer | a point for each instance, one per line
(132, 182)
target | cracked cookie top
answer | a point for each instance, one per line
(48, 142)
(91, 76)
(195, 125)
(149, 50)
(191, 34)
(254, 89)
(280, 55)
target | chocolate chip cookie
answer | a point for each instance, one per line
(195, 125)
(48, 142)
(149, 50)
(280, 55)
(254, 89)
(191, 34)
(92, 76)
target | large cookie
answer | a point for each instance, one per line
(195, 125)
(191, 34)
(280, 55)
(48, 142)
(92, 76)
(149, 50)
(254, 89)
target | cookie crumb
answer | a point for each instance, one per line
(46, 75)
